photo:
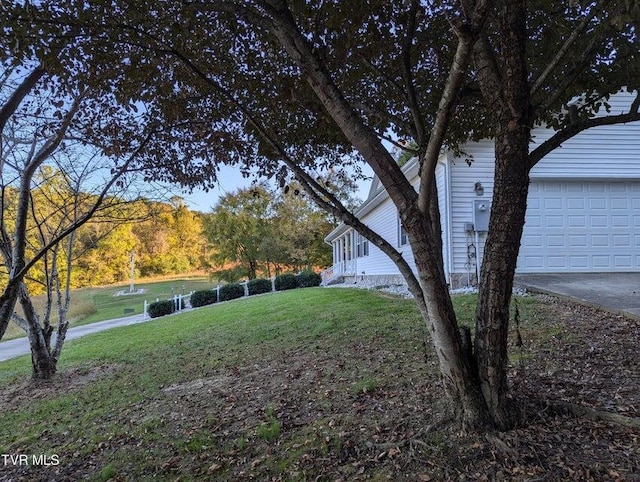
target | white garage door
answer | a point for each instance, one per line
(581, 227)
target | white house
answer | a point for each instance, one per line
(583, 211)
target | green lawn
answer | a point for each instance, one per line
(315, 384)
(89, 305)
(130, 401)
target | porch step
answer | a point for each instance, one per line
(334, 281)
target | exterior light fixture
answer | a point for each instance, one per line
(478, 188)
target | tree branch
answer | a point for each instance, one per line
(89, 214)
(553, 64)
(323, 197)
(9, 107)
(568, 79)
(467, 36)
(407, 75)
(346, 119)
(572, 130)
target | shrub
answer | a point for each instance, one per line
(308, 278)
(231, 291)
(286, 282)
(258, 286)
(160, 308)
(203, 297)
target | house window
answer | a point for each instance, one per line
(403, 240)
(362, 246)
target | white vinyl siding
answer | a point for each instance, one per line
(464, 176)
(604, 152)
(384, 220)
(442, 184)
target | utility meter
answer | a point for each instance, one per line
(481, 210)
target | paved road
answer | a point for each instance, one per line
(20, 346)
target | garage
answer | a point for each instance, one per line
(586, 226)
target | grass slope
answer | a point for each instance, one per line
(314, 384)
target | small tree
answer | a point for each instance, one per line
(236, 227)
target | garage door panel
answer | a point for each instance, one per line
(578, 240)
(575, 203)
(578, 262)
(554, 221)
(533, 241)
(599, 240)
(579, 221)
(533, 262)
(622, 241)
(581, 226)
(596, 221)
(619, 204)
(554, 203)
(623, 262)
(620, 221)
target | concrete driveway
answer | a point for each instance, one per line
(615, 292)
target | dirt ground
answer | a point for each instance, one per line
(578, 388)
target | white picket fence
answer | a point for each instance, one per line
(179, 304)
(179, 301)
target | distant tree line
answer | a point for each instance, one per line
(165, 237)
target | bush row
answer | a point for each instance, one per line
(231, 291)
(162, 308)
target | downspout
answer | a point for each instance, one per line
(447, 208)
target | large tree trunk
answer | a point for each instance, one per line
(455, 360)
(496, 278)
(511, 183)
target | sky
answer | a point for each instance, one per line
(230, 179)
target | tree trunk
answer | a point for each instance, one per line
(496, 277)
(253, 268)
(513, 127)
(43, 365)
(456, 364)
(7, 305)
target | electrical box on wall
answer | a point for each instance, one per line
(481, 210)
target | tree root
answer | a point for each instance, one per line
(593, 414)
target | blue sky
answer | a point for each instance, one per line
(230, 179)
